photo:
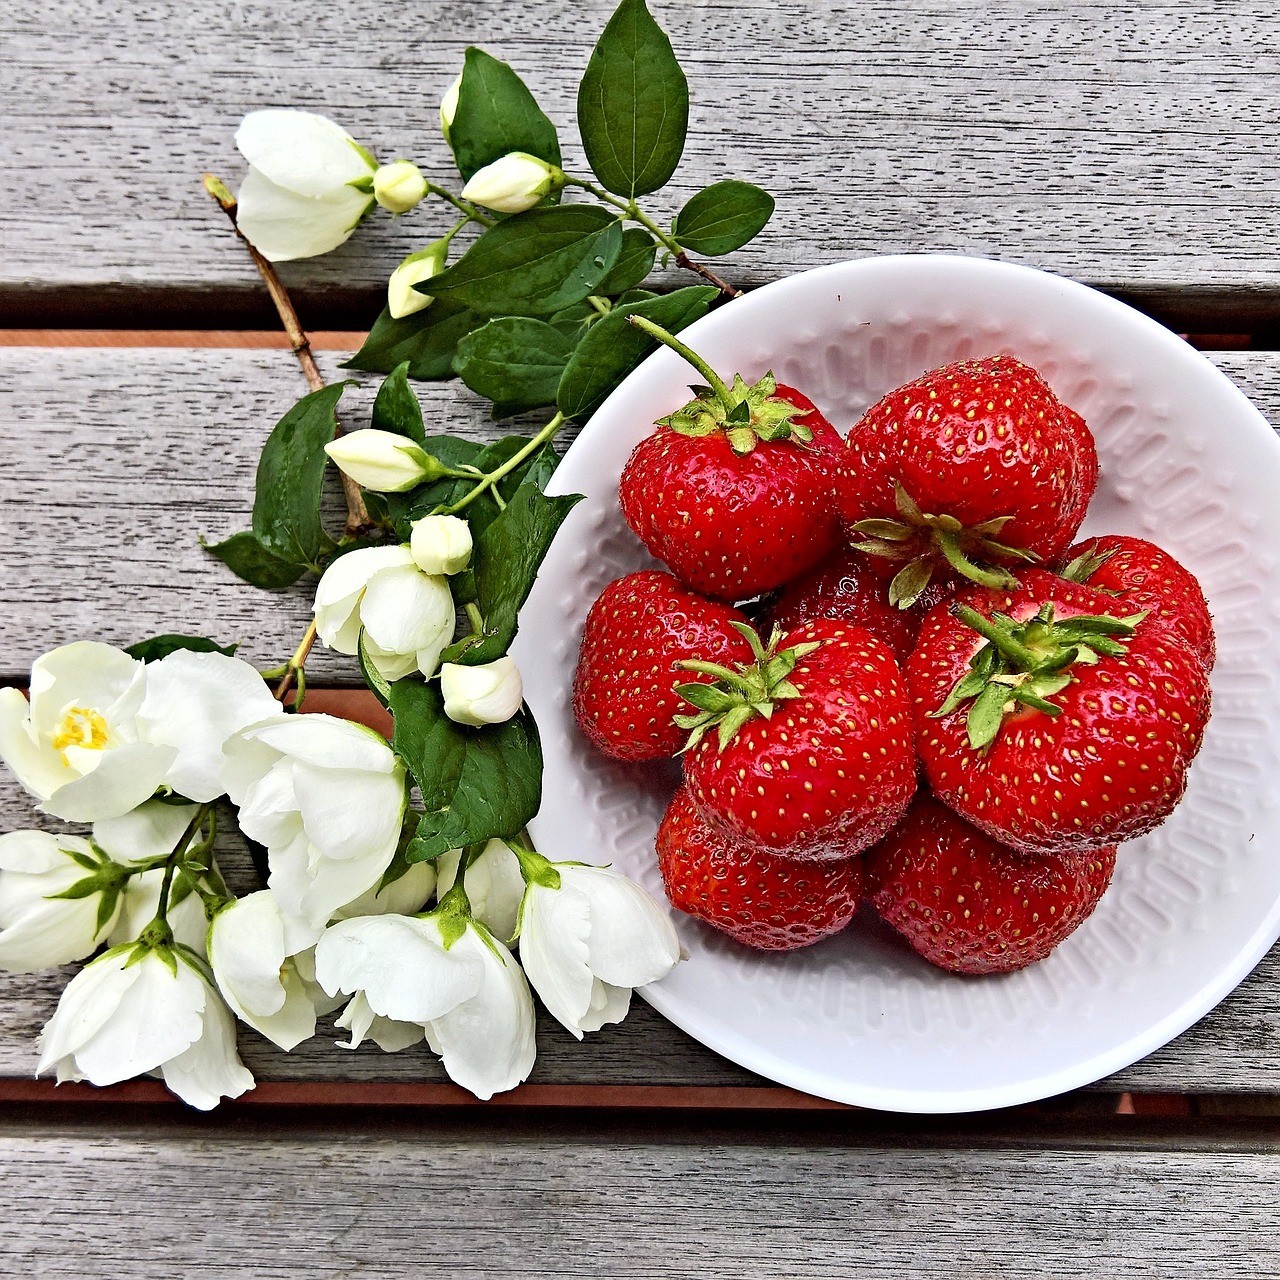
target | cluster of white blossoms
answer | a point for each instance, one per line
(145, 752)
(310, 184)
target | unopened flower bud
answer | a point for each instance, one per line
(516, 182)
(402, 298)
(440, 544)
(486, 694)
(449, 106)
(383, 461)
(398, 187)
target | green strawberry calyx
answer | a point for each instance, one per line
(1086, 564)
(922, 540)
(745, 413)
(1024, 664)
(736, 696)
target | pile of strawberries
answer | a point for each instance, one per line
(888, 671)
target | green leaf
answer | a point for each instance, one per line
(496, 114)
(247, 558)
(476, 784)
(425, 341)
(611, 348)
(507, 556)
(534, 263)
(633, 104)
(635, 261)
(396, 407)
(722, 217)
(516, 362)
(158, 647)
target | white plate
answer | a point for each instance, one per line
(1186, 461)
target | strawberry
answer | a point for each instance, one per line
(637, 632)
(966, 471)
(968, 904)
(1142, 576)
(812, 756)
(1049, 722)
(846, 587)
(734, 492)
(759, 898)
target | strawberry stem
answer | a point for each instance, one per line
(714, 380)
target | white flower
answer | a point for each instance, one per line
(135, 1010)
(402, 897)
(408, 617)
(194, 703)
(77, 745)
(586, 943)
(493, 883)
(152, 831)
(440, 544)
(467, 994)
(514, 183)
(38, 929)
(382, 460)
(449, 106)
(485, 694)
(399, 186)
(402, 298)
(251, 949)
(326, 797)
(309, 183)
(103, 731)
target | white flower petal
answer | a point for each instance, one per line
(149, 831)
(53, 933)
(247, 951)
(337, 603)
(40, 772)
(608, 1005)
(350, 814)
(493, 883)
(327, 742)
(86, 674)
(554, 928)
(300, 150)
(405, 610)
(389, 1035)
(31, 853)
(89, 1001)
(194, 703)
(284, 226)
(158, 1017)
(632, 938)
(401, 965)
(487, 1042)
(210, 1069)
(123, 779)
(402, 897)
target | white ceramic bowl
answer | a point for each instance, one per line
(1188, 462)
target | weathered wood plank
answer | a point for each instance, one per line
(490, 1200)
(1126, 146)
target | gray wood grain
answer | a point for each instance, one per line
(117, 459)
(1129, 146)
(154, 1201)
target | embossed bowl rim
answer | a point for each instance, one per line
(1061, 311)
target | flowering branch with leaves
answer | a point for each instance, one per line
(401, 884)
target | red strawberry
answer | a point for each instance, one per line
(812, 756)
(1142, 576)
(773, 903)
(1050, 723)
(970, 905)
(734, 492)
(966, 471)
(637, 633)
(846, 587)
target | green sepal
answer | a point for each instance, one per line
(756, 413)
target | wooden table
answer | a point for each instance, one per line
(1131, 147)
